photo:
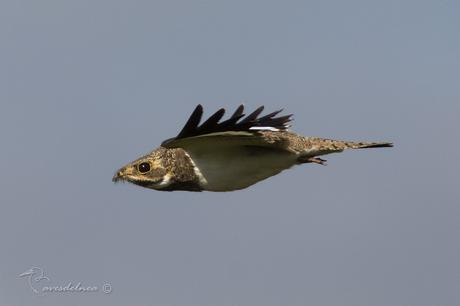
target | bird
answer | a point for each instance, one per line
(229, 155)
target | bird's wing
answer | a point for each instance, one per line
(238, 130)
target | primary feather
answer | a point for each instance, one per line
(237, 122)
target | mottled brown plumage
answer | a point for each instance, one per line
(229, 155)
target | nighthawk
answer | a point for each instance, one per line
(229, 155)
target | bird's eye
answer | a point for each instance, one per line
(143, 167)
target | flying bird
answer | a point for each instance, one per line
(229, 155)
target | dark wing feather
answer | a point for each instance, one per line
(271, 115)
(212, 123)
(237, 122)
(253, 116)
(239, 112)
(237, 115)
(192, 122)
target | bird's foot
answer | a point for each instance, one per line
(316, 160)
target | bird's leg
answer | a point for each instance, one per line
(315, 160)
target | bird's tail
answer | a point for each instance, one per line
(319, 146)
(363, 145)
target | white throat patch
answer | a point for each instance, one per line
(201, 178)
(166, 181)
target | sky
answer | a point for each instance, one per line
(87, 86)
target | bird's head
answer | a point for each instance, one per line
(147, 171)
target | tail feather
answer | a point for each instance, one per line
(314, 146)
(366, 145)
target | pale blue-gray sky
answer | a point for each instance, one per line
(86, 86)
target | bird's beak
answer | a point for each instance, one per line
(122, 174)
(118, 176)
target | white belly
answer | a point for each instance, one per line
(237, 168)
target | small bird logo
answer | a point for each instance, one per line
(230, 155)
(34, 275)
